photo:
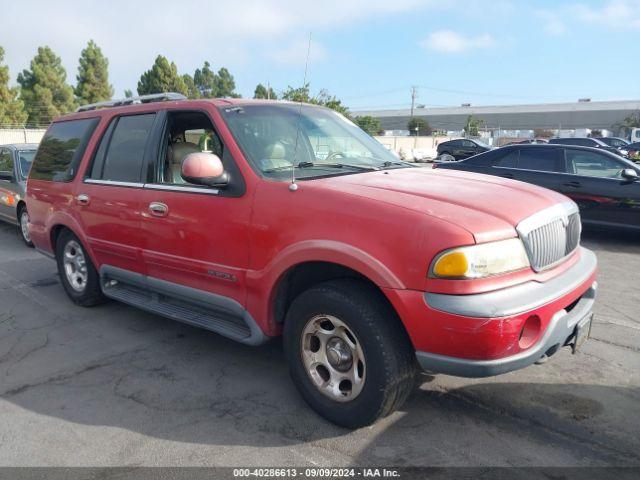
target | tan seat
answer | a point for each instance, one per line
(274, 156)
(175, 156)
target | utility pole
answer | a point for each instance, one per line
(268, 91)
(414, 95)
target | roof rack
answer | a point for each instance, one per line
(154, 97)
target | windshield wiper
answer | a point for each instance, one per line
(324, 165)
(389, 163)
(337, 165)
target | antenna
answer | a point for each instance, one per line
(294, 186)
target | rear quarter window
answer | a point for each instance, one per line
(61, 150)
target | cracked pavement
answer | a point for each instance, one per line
(114, 386)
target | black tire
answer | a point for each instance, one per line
(91, 294)
(390, 362)
(22, 211)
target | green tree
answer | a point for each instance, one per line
(162, 77)
(212, 84)
(369, 124)
(632, 121)
(472, 129)
(542, 133)
(93, 76)
(12, 111)
(128, 93)
(262, 92)
(205, 80)
(44, 88)
(192, 89)
(419, 127)
(624, 127)
(225, 83)
(331, 101)
(301, 94)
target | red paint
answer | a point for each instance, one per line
(386, 225)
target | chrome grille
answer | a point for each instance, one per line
(551, 235)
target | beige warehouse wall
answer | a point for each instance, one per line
(21, 135)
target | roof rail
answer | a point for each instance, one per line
(154, 97)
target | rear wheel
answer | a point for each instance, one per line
(23, 226)
(348, 356)
(77, 273)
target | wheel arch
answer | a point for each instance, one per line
(21, 204)
(66, 222)
(305, 275)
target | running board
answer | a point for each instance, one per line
(185, 304)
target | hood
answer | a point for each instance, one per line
(488, 207)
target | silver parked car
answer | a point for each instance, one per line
(15, 162)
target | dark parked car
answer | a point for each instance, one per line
(634, 151)
(533, 141)
(15, 162)
(614, 142)
(462, 148)
(586, 142)
(605, 186)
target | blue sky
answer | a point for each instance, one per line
(367, 52)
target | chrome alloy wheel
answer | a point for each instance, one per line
(75, 266)
(24, 225)
(333, 358)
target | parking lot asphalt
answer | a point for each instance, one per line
(112, 386)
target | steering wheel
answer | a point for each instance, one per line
(334, 154)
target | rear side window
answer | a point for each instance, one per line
(120, 156)
(540, 159)
(507, 158)
(593, 164)
(61, 150)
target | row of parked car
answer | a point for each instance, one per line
(464, 148)
(598, 176)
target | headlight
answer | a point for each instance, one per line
(624, 152)
(483, 260)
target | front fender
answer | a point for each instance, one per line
(262, 284)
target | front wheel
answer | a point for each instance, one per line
(23, 226)
(348, 355)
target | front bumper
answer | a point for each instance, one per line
(483, 321)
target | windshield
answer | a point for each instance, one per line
(482, 144)
(25, 159)
(616, 142)
(318, 141)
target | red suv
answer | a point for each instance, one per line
(254, 219)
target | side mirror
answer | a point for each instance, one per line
(629, 174)
(204, 168)
(6, 176)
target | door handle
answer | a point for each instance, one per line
(83, 199)
(572, 184)
(158, 209)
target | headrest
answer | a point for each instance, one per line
(181, 150)
(275, 151)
